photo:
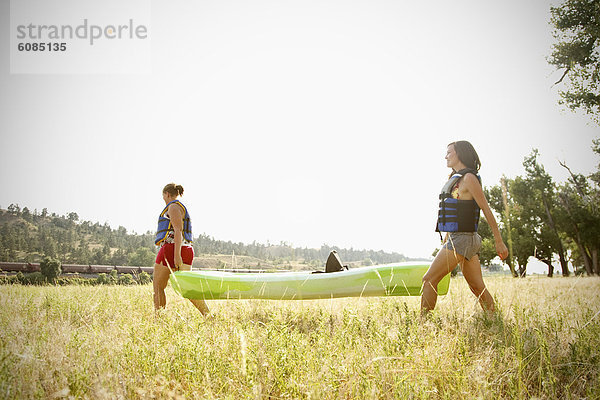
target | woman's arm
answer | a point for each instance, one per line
(176, 216)
(474, 187)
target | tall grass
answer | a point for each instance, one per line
(107, 342)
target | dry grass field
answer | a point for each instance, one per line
(107, 342)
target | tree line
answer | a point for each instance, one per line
(555, 223)
(28, 236)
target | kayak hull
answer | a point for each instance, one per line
(403, 279)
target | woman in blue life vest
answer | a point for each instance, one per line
(174, 235)
(460, 202)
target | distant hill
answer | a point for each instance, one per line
(28, 236)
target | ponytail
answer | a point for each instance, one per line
(173, 189)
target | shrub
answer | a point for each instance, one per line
(126, 279)
(34, 278)
(9, 279)
(113, 277)
(51, 268)
(144, 278)
(102, 279)
(75, 280)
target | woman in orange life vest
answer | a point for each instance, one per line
(460, 202)
(174, 235)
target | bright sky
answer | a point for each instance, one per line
(306, 121)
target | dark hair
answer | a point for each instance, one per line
(466, 154)
(173, 189)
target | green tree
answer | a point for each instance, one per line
(26, 215)
(541, 203)
(73, 217)
(102, 255)
(531, 228)
(580, 200)
(143, 256)
(531, 204)
(82, 254)
(119, 257)
(49, 247)
(579, 225)
(14, 209)
(577, 32)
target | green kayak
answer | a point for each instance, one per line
(400, 279)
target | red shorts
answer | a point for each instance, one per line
(167, 253)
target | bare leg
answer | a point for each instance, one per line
(201, 306)
(445, 261)
(160, 278)
(471, 270)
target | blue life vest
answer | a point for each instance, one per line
(165, 226)
(456, 215)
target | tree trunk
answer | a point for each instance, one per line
(550, 268)
(561, 251)
(587, 260)
(595, 265)
(514, 273)
(563, 261)
(522, 270)
(549, 264)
